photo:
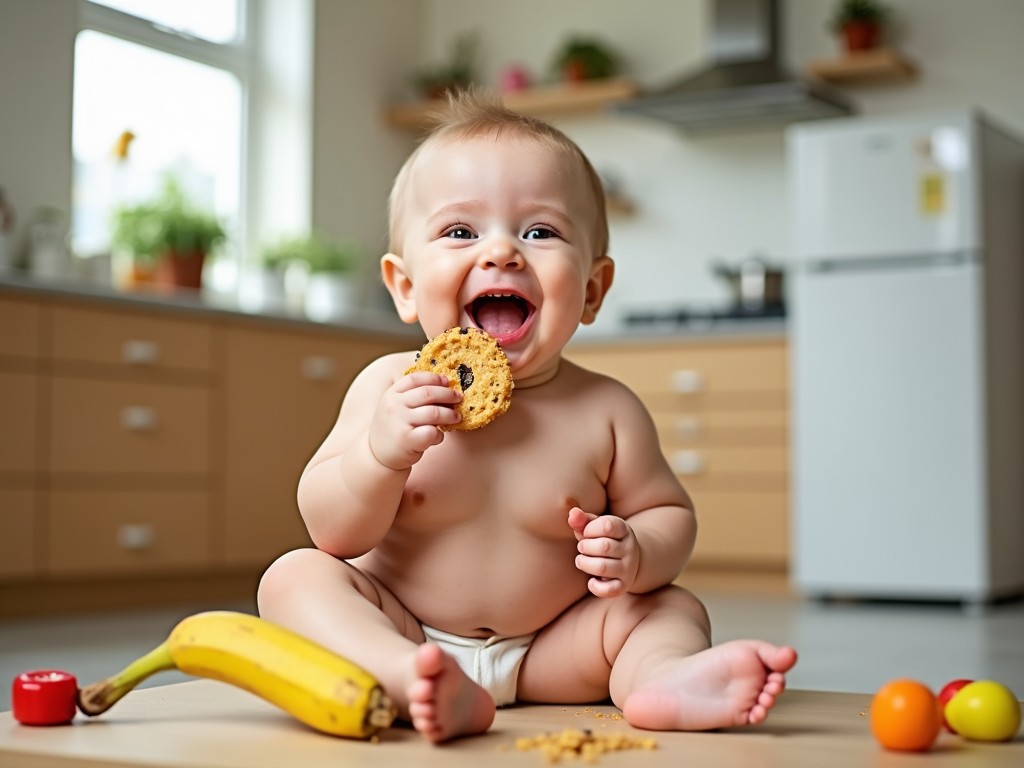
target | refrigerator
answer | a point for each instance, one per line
(907, 358)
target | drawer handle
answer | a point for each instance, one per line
(687, 462)
(136, 537)
(138, 418)
(318, 368)
(687, 381)
(689, 427)
(140, 352)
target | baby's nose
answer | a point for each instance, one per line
(503, 253)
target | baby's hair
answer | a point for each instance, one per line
(473, 113)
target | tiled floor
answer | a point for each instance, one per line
(843, 646)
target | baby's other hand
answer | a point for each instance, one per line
(608, 552)
(407, 418)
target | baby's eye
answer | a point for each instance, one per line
(540, 233)
(458, 232)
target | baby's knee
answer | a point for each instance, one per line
(677, 600)
(285, 575)
(689, 603)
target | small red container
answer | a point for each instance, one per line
(44, 697)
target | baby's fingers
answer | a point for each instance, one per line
(606, 587)
(578, 521)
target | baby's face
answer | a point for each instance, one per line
(499, 235)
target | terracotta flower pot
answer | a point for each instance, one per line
(860, 35)
(181, 269)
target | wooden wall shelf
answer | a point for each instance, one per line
(543, 101)
(874, 66)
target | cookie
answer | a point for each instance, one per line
(474, 363)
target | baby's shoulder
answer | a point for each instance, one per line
(382, 372)
(587, 383)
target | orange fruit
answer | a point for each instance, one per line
(905, 715)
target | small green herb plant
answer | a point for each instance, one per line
(170, 222)
(319, 253)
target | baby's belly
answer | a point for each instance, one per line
(483, 590)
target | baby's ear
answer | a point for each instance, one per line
(602, 272)
(399, 284)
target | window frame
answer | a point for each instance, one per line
(273, 59)
(238, 57)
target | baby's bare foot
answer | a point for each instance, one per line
(443, 702)
(735, 683)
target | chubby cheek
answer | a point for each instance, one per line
(437, 303)
(566, 294)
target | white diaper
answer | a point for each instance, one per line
(492, 663)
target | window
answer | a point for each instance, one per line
(218, 21)
(159, 88)
(216, 92)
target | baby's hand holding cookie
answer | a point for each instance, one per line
(410, 418)
(474, 364)
(461, 379)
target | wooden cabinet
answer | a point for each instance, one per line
(120, 532)
(131, 464)
(721, 409)
(143, 344)
(284, 389)
(19, 555)
(146, 447)
(20, 458)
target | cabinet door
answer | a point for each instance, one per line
(18, 423)
(18, 545)
(721, 410)
(282, 394)
(128, 532)
(19, 329)
(20, 336)
(124, 340)
(128, 428)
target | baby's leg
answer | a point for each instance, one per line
(667, 676)
(334, 604)
(653, 654)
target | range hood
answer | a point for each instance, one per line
(747, 85)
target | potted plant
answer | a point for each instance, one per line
(330, 266)
(169, 235)
(585, 59)
(860, 23)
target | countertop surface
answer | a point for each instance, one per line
(368, 320)
(380, 320)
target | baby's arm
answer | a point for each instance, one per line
(351, 488)
(650, 528)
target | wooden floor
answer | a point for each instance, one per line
(204, 723)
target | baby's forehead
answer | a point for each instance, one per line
(444, 146)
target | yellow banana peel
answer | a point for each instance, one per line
(316, 686)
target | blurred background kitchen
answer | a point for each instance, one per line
(152, 425)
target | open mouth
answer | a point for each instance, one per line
(500, 314)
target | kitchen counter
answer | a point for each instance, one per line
(367, 320)
(710, 330)
(381, 320)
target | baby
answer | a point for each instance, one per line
(531, 560)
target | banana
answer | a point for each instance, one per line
(316, 686)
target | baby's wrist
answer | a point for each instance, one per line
(381, 461)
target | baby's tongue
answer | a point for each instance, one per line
(499, 317)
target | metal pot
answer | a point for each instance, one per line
(754, 285)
